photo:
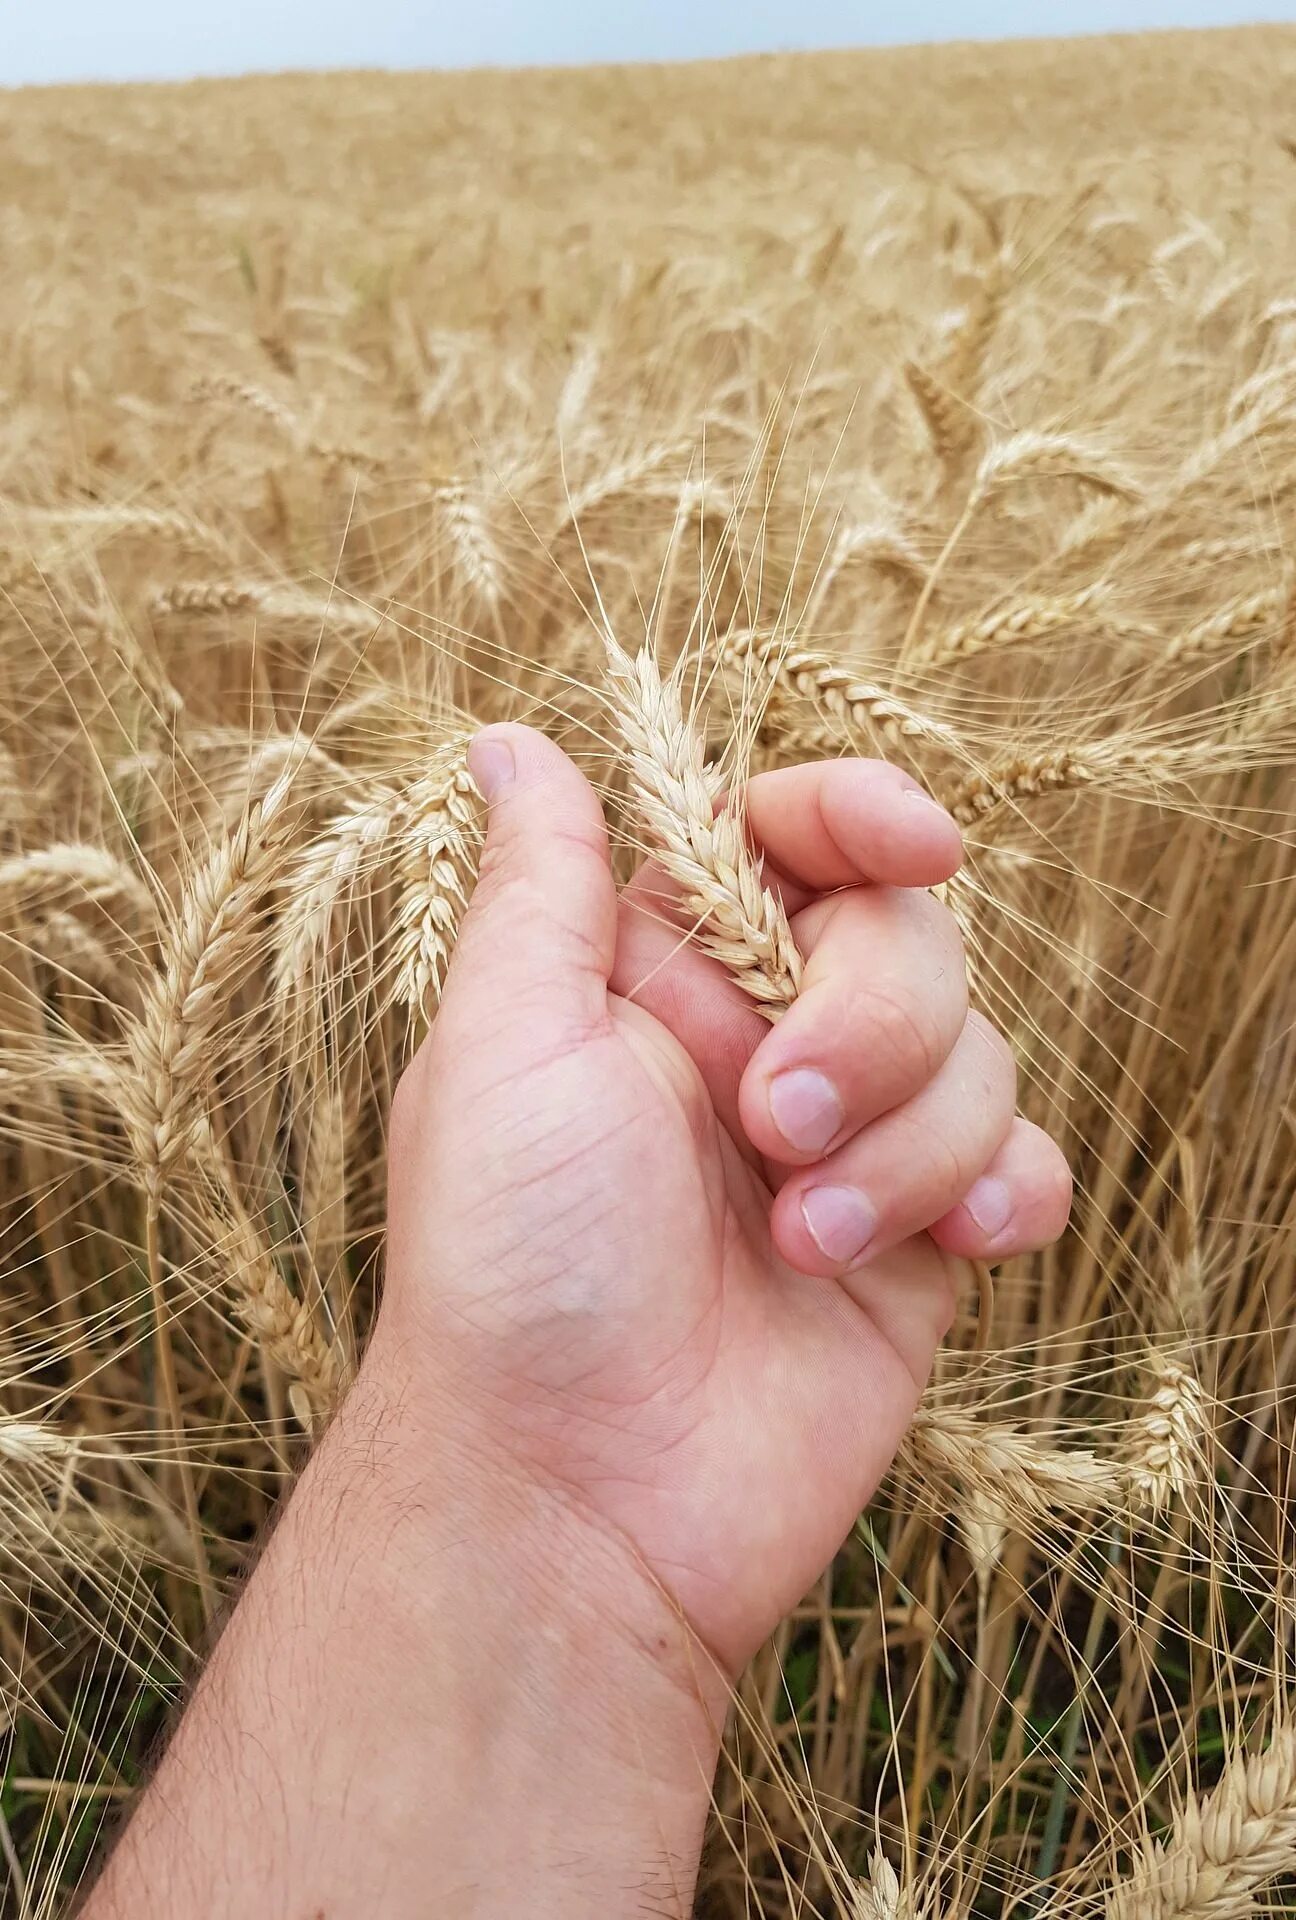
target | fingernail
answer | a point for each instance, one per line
(921, 795)
(990, 1203)
(806, 1108)
(840, 1221)
(491, 764)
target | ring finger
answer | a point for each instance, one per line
(907, 1169)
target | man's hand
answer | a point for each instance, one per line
(687, 1268)
(663, 1286)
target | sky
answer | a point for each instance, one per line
(172, 39)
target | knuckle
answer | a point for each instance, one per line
(906, 1030)
(936, 1174)
(940, 929)
(401, 1118)
(1061, 1189)
(994, 1057)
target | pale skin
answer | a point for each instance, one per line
(664, 1284)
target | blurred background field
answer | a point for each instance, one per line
(936, 402)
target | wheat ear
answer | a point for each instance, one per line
(214, 936)
(838, 694)
(944, 414)
(1249, 613)
(283, 1326)
(1017, 623)
(1222, 1847)
(72, 870)
(1167, 1438)
(436, 868)
(739, 921)
(1015, 1474)
(349, 850)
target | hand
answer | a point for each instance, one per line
(685, 1270)
(659, 1303)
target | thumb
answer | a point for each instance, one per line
(543, 915)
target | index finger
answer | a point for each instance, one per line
(837, 823)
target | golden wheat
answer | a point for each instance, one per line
(937, 404)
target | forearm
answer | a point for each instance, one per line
(438, 1693)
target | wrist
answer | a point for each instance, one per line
(443, 1690)
(471, 1527)
(577, 1719)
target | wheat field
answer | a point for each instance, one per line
(938, 404)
